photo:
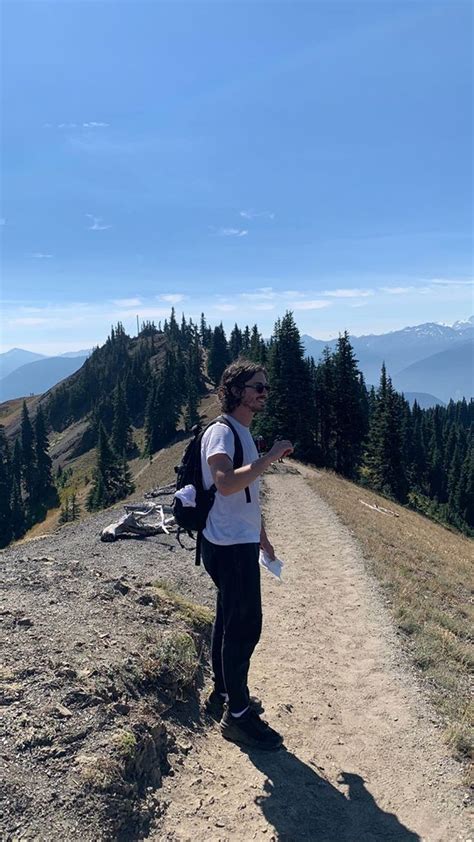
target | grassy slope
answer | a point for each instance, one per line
(426, 571)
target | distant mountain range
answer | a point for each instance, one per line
(428, 358)
(25, 373)
(431, 362)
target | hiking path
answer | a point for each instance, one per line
(363, 758)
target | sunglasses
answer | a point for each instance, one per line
(260, 388)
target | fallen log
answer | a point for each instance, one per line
(381, 509)
(160, 492)
(132, 523)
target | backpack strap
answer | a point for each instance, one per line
(239, 453)
(237, 463)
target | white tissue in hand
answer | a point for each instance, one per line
(273, 565)
(187, 495)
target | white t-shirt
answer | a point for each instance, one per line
(231, 520)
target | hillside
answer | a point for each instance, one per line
(16, 357)
(104, 739)
(38, 376)
(423, 399)
(449, 374)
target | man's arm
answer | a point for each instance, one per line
(265, 544)
(230, 481)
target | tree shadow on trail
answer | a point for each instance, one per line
(301, 805)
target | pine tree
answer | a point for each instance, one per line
(191, 413)
(172, 329)
(453, 479)
(125, 485)
(122, 438)
(166, 395)
(100, 494)
(16, 463)
(464, 498)
(418, 466)
(218, 357)
(5, 491)
(46, 493)
(205, 333)
(17, 511)
(254, 352)
(194, 365)
(235, 343)
(325, 400)
(65, 514)
(289, 402)
(98, 497)
(384, 459)
(75, 508)
(349, 413)
(245, 342)
(151, 420)
(112, 479)
(28, 461)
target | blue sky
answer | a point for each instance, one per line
(241, 158)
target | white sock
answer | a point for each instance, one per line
(241, 713)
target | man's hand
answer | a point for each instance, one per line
(266, 546)
(280, 448)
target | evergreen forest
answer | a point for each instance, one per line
(422, 458)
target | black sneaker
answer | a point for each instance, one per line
(215, 704)
(250, 730)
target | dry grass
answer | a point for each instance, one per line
(198, 616)
(11, 410)
(426, 572)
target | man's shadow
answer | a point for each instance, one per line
(302, 805)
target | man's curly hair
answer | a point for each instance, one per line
(235, 377)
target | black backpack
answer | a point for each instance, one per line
(189, 472)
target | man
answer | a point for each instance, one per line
(230, 549)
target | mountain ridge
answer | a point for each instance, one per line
(403, 348)
(38, 376)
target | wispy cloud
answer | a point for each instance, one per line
(267, 298)
(28, 321)
(232, 232)
(93, 124)
(291, 299)
(127, 302)
(315, 304)
(253, 214)
(261, 293)
(97, 224)
(40, 256)
(397, 290)
(451, 282)
(224, 307)
(3, 220)
(348, 293)
(173, 298)
(85, 315)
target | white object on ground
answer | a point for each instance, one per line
(272, 565)
(187, 495)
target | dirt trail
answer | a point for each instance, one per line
(363, 760)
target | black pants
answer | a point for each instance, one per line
(237, 627)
